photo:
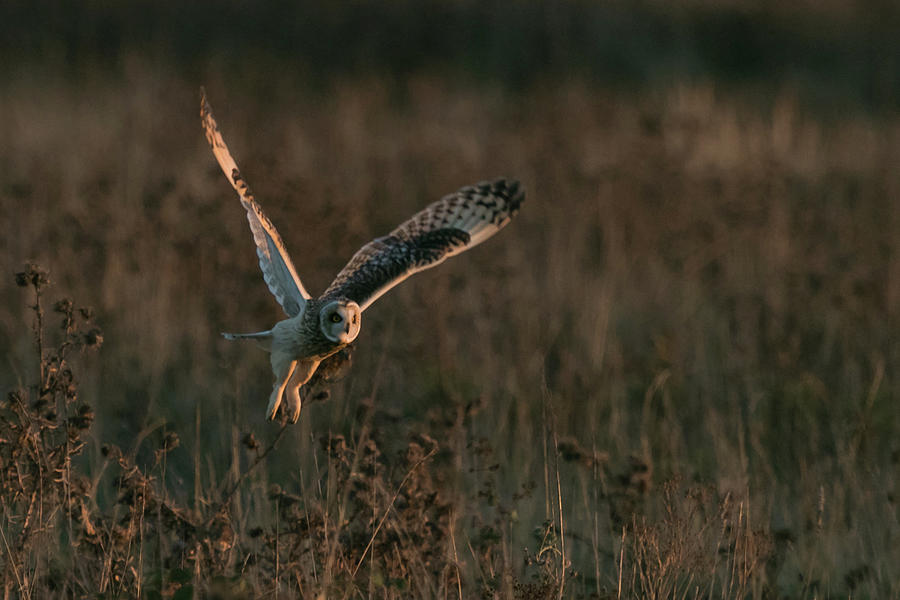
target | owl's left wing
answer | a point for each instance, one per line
(447, 227)
(278, 270)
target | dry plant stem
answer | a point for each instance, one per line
(562, 525)
(767, 326)
(595, 530)
(455, 555)
(389, 507)
(39, 334)
(621, 564)
(475, 559)
(549, 420)
(256, 462)
(277, 555)
(140, 570)
(197, 454)
(308, 526)
(9, 555)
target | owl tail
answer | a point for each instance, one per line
(262, 338)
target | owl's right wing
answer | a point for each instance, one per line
(278, 270)
(447, 227)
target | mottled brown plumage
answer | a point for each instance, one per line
(319, 327)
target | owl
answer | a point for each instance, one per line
(317, 328)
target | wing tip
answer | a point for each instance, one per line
(205, 108)
(511, 190)
(210, 127)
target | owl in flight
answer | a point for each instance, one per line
(316, 328)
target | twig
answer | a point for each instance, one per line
(455, 556)
(12, 561)
(253, 465)
(388, 509)
(39, 333)
(550, 420)
(277, 554)
(621, 563)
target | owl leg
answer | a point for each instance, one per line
(283, 370)
(302, 373)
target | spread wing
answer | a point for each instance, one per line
(277, 268)
(447, 227)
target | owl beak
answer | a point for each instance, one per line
(344, 335)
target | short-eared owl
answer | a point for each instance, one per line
(316, 328)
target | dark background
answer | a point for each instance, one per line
(835, 52)
(684, 344)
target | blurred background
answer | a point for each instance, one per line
(696, 309)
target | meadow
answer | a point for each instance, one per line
(674, 375)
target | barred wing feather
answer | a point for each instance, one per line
(447, 227)
(278, 270)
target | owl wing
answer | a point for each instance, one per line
(449, 226)
(277, 268)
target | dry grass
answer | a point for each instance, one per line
(673, 376)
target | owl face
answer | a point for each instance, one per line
(339, 321)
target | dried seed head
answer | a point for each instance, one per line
(63, 306)
(249, 440)
(93, 338)
(570, 450)
(639, 476)
(426, 441)
(84, 418)
(170, 442)
(32, 275)
(335, 445)
(110, 451)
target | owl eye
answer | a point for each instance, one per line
(335, 318)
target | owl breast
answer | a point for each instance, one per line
(301, 337)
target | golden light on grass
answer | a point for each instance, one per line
(675, 377)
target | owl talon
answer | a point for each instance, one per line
(292, 404)
(274, 403)
(284, 375)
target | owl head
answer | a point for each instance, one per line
(339, 321)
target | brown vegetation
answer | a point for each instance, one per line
(673, 376)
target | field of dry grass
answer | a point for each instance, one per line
(674, 375)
